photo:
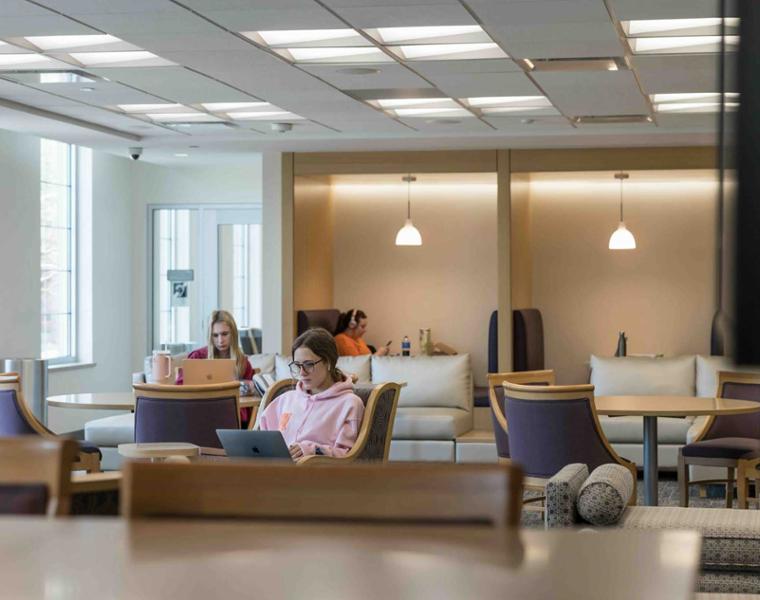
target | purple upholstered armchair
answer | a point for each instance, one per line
(551, 426)
(187, 413)
(726, 439)
(16, 419)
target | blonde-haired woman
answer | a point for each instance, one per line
(224, 342)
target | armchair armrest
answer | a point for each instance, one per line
(317, 459)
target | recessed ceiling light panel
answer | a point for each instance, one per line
(80, 43)
(233, 106)
(431, 112)
(678, 27)
(265, 115)
(507, 101)
(696, 44)
(154, 108)
(6, 48)
(308, 38)
(462, 34)
(186, 117)
(448, 51)
(334, 55)
(138, 58)
(10, 62)
(520, 111)
(415, 102)
(695, 107)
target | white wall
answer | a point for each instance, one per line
(189, 185)
(448, 284)
(661, 294)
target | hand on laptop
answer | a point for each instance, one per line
(295, 451)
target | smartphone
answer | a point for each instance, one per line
(388, 343)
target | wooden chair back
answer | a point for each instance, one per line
(12, 381)
(495, 381)
(31, 459)
(357, 492)
(735, 386)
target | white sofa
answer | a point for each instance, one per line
(691, 375)
(435, 405)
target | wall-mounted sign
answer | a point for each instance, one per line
(180, 275)
(178, 279)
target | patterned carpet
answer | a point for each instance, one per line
(668, 496)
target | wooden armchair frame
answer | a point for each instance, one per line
(33, 459)
(522, 377)
(84, 461)
(540, 393)
(731, 464)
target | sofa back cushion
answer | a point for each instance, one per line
(638, 376)
(707, 372)
(263, 362)
(281, 369)
(444, 381)
(356, 365)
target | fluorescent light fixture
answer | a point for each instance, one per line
(334, 55)
(431, 112)
(518, 101)
(694, 107)
(153, 108)
(517, 111)
(448, 51)
(29, 61)
(308, 38)
(265, 115)
(181, 154)
(682, 45)
(73, 43)
(692, 97)
(232, 106)
(139, 58)
(6, 48)
(63, 77)
(678, 27)
(415, 102)
(195, 117)
(462, 34)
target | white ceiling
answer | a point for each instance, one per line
(214, 63)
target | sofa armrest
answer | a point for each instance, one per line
(561, 494)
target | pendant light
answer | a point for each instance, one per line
(408, 235)
(621, 238)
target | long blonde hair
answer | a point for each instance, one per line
(223, 316)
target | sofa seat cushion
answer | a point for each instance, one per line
(723, 448)
(430, 423)
(111, 431)
(730, 538)
(638, 376)
(630, 430)
(444, 381)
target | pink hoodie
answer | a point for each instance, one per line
(329, 420)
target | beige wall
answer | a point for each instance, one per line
(520, 237)
(447, 284)
(661, 294)
(312, 243)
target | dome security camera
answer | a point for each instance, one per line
(135, 152)
(281, 127)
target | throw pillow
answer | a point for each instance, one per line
(605, 494)
(561, 495)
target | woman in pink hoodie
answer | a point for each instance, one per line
(322, 415)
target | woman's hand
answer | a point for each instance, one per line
(382, 351)
(295, 451)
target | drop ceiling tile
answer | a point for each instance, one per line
(411, 4)
(627, 10)
(616, 128)
(307, 17)
(664, 74)
(528, 125)
(203, 6)
(89, 7)
(443, 125)
(593, 92)
(497, 13)
(469, 85)
(213, 40)
(569, 40)
(104, 94)
(389, 76)
(175, 84)
(695, 122)
(548, 48)
(121, 25)
(433, 68)
(20, 8)
(45, 24)
(429, 15)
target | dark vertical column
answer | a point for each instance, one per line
(747, 276)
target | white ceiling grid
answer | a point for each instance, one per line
(215, 63)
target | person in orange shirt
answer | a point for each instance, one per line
(349, 335)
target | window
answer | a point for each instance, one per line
(58, 251)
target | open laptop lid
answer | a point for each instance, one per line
(253, 444)
(199, 371)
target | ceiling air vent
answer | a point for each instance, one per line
(615, 63)
(609, 119)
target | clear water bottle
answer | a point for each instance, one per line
(406, 346)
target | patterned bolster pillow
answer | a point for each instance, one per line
(561, 494)
(605, 495)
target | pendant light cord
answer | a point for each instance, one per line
(621, 199)
(409, 197)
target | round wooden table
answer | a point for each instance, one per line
(158, 451)
(651, 407)
(118, 401)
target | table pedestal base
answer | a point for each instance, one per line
(650, 461)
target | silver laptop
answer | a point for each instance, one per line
(246, 443)
(199, 371)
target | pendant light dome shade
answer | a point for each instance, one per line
(621, 238)
(408, 235)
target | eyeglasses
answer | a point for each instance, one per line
(306, 366)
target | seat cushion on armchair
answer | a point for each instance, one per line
(430, 423)
(723, 448)
(632, 376)
(630, 430)
(111, 431)
(443, 381)
(730, 538)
